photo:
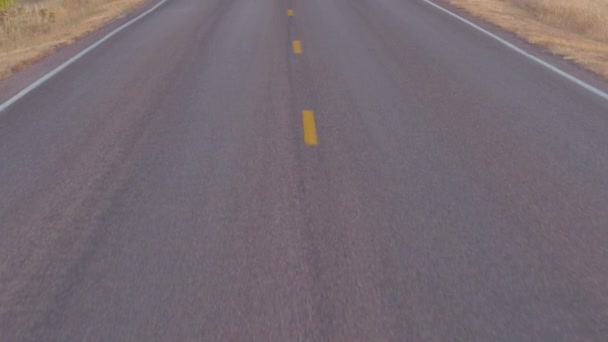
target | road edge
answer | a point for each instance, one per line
(20, 84)
(574, 73)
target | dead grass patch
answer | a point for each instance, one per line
(574, 29)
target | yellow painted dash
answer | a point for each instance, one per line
(297, 47)
(290, 12)
(310, 129)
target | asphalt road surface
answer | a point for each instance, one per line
(169, 187)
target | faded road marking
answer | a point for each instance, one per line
(310, 128)
(297, 47)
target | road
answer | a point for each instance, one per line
(161, 187)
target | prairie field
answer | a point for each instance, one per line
(574, 29)
(31, 29)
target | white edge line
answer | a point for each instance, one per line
(522, 52)
(70, 61)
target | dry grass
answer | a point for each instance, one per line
(575, 29)
(30, 29)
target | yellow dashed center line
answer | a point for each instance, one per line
(297, 47)
(290, 12)
(310, 129)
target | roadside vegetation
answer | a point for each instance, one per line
(574, 29)
(30, 29)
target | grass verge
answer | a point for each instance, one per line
(31, 29)
(574, 29)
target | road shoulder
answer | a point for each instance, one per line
(19, 80)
